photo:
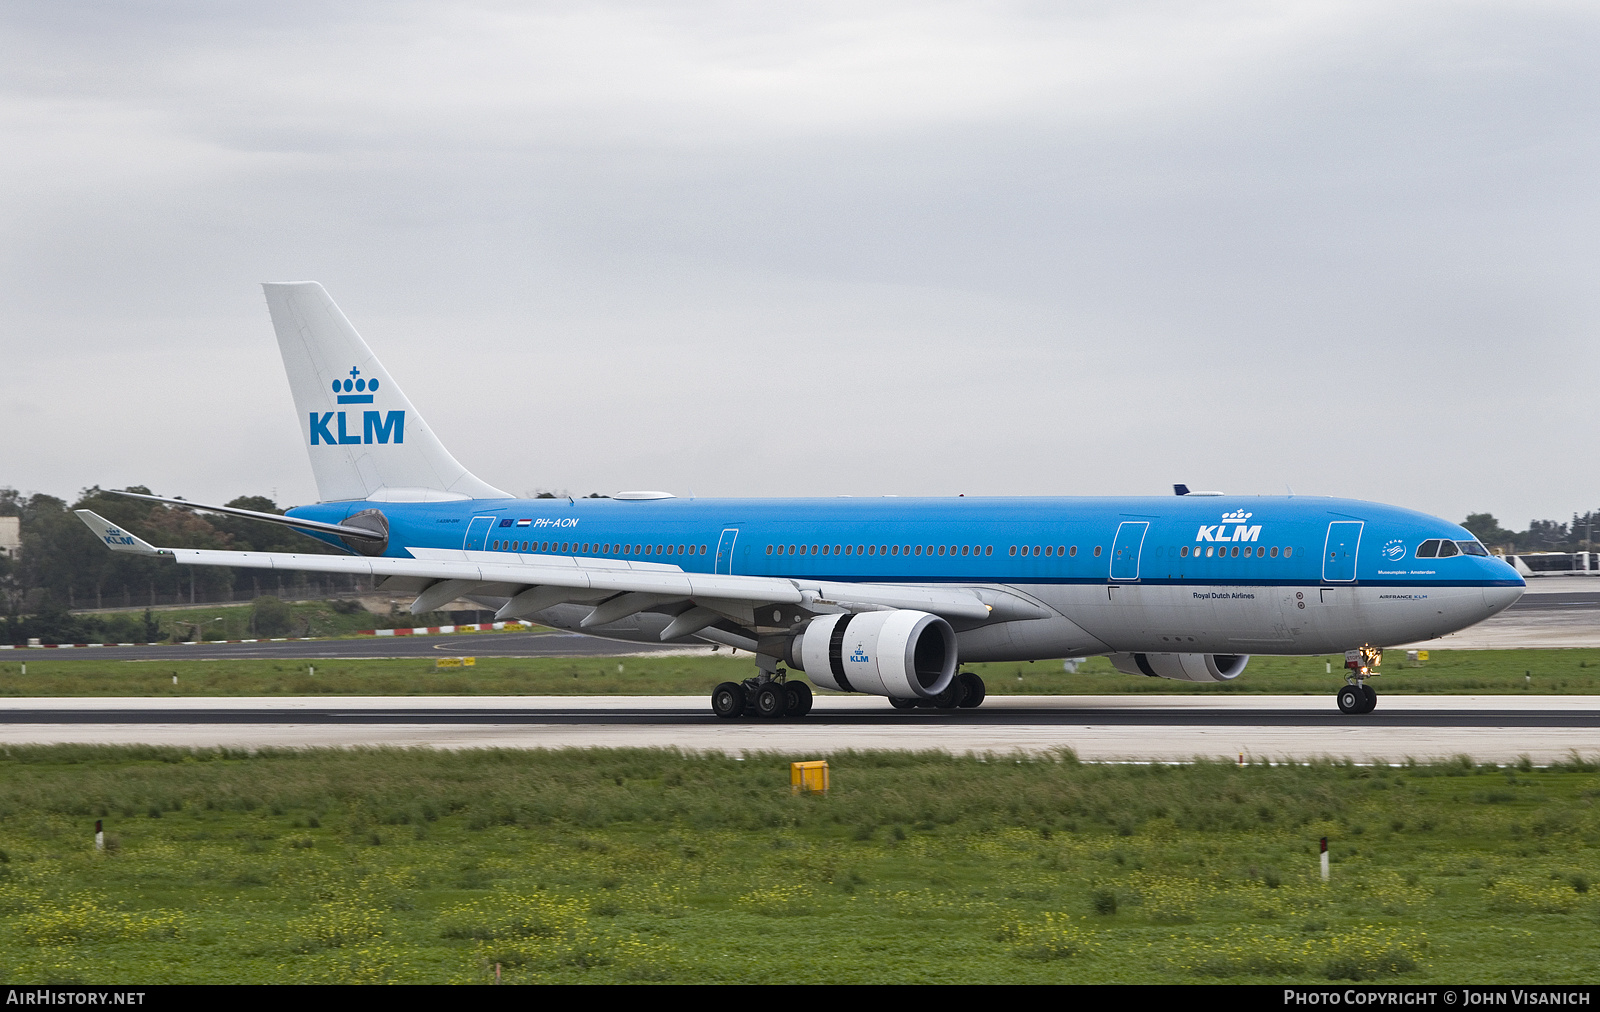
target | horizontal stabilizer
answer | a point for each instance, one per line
(117, 539)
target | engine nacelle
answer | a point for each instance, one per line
(1183, 667)
(902, 654)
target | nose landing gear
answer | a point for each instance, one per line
(1357, 697)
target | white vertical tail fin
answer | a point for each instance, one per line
(365, 439)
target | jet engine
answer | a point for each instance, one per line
(902, 654)
(1183, 667)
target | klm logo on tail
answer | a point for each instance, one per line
(376, 426)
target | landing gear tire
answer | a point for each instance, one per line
(951, 697)
(799, 702)
(727, 700)
(973, 688)
(902, 704)
(1352, 699)
(1371, 696)
(771, 701)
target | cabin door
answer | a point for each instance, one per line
(1127, 548)
(478, 533)
(725, 551)
(1339, 553)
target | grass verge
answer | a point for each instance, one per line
(608, 865)
(1542, 672)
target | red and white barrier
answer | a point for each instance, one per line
(439, 630)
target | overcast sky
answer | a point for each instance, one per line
(818, 249)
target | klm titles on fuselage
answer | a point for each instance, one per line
(1242, 530)
(376, 426)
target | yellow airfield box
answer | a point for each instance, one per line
(810, 778)
(456, 662)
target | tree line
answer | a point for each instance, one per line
(62, 566)
(1579, 535)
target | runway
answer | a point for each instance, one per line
(1113, 728)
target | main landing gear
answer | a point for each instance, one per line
(1357, 697)
(769, 696)
(966, 691)
(772, 696)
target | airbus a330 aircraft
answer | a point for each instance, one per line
(883, 596)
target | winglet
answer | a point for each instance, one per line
(116, 539)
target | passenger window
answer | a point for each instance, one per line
(1097, 551)
(1184, 552)
(1049, 550)
(988, 550)
(895, 550)
(1073, 551)
(1447, 549)
(1209, 550)
(1288, 552)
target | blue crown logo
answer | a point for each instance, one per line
(362, 388)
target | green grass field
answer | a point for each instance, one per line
(600, 865)
(1458, 671)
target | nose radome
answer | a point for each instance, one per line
(1498, 599)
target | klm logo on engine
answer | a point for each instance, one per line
(1241, 531)
(376, 426)
(860, 656)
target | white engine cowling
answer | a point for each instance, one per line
(1183, 667)
(903, 654)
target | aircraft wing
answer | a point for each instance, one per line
(616, 587)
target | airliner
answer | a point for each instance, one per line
(884, 596)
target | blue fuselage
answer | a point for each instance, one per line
(1226, 574)
(1212, 540)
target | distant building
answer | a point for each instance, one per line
(10, 536)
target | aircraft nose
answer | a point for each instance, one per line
(1498, 599)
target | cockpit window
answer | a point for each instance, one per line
(1471, 548)
(1447, 549)
(1428, 549)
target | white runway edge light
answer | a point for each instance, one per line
(1324, 859)
(902, 654)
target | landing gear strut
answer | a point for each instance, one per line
(768, 695)
(1356, 696)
